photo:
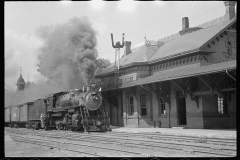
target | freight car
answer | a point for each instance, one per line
(7, 116)
(17, 116)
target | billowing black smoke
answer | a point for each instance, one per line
(68, 53)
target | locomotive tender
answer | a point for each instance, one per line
(69, 110)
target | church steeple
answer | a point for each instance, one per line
(20, 83)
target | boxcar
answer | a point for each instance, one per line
(39, 107)
(7, 116)
(19, 115)
(14, 112)
(23, 116)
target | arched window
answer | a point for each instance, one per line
(143, 104)
(161, 106)
(131, 106)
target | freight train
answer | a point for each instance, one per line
(68, 110)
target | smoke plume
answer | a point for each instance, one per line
(63, 54)
(68, 53)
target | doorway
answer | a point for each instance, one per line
(182, 116)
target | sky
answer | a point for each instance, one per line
(137, 19)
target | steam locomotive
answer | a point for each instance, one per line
(68, 110)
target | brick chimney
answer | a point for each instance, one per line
(185, 23)
(230, 10)
(127, 48)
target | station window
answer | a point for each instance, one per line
(143, 104)
(131, 106)
(131, 79)
(161, 106)
(222, 107)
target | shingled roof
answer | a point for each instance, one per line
(189, 43)
(182, 72)
(137, 56)
(174, 45)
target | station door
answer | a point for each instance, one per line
(114, 116)
(182, 117)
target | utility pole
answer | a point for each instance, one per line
(117, 47)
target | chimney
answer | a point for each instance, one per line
(230, 10)
(185, 23)
(127, 48)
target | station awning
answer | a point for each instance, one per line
(183, 72)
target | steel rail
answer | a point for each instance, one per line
(150, 135)
(85, 136)
(85, 145)
(194, 139)
(155, 135)
(104, 141)
(34, 142)
(165, 145)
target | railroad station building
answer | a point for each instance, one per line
(187, 79)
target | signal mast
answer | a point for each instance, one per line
(117, 47)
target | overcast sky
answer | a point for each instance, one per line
(135, 19)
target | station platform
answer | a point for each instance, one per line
(207, 133)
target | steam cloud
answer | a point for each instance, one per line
(66, 57)
(69, 52)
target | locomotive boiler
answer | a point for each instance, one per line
(76, 110)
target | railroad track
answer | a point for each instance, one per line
(51, 146)
(199, 149)
(141, 143)
(159, 136)
(65, 145)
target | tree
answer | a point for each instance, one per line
(101, 63)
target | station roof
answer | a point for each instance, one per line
(175, 46)
(191, 42)
(182, 72)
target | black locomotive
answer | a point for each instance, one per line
(68, 110)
